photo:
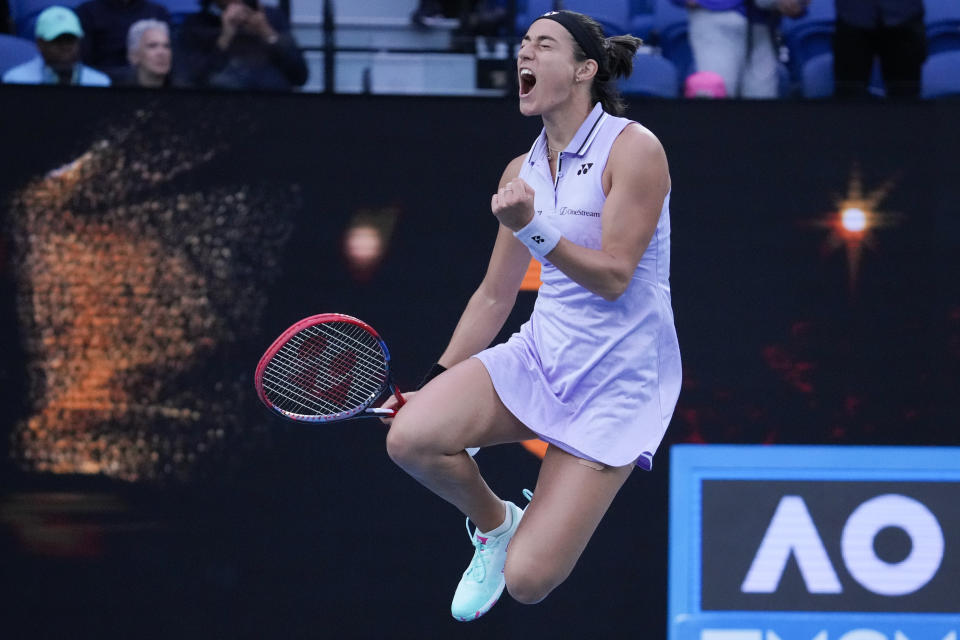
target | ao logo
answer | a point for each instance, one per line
(792, 530)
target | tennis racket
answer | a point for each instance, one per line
(326, 368)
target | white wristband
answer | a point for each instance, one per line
(539, 236)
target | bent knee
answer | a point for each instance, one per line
(412, 442)
(403, 446)
(529, 584)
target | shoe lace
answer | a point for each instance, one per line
(478, 568)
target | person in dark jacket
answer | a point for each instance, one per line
(234, 44)
(890, 29)
(106, 24)
(6, 22)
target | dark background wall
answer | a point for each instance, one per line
(170, 504)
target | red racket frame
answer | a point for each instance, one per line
(362, 410)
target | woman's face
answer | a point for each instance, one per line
(546, 67)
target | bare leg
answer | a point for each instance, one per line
(458, 409)
(569, 501)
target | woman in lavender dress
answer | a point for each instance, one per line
(595, 372)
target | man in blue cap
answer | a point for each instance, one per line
(58, 35)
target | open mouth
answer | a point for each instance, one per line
(527, 81)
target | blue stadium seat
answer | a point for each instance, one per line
(941, 11)
(784, 82)
(179, 9)
(25, 12)
(652, 75)
(616, 16)
(14, 51)
(818, 12)
(670, 26)
(941, 75)
(810, 35)
(528, 10)
(641, 18)
(816, 77)
(613, 15)
(943, 25)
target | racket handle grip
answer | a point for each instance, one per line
(376, 411)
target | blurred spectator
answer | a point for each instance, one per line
(59, 35)
(6, 22)
(150, 56)
(467, 17)
(735, 39)
(440, 13)
(891, 29)
(234, 44)
(486, 18)
(106, 23)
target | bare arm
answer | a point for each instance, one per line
(493, 300)
(636, 181)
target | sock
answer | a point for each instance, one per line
(507, 523)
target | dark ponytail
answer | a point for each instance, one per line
(620, 51)
(617, 63)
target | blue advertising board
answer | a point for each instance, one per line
(814, 543)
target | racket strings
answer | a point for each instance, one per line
(332, 400)
(371, 359)
(287, 387)
(371, 363)
(295, 380)
(302, 370)
(307, 374)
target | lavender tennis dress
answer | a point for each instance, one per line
(598, 379)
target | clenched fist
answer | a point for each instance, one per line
(513, 204)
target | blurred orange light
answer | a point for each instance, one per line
(854, 221)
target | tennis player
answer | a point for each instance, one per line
(595, 372)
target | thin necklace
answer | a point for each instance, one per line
(551, 151)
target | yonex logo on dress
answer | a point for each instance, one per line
(584, 168)
(537, 239)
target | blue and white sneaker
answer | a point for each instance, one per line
(483, 582)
